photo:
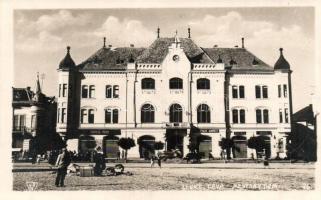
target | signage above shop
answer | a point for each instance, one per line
(210, 130)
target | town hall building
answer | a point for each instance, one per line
(176, 92)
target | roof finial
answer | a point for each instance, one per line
(68, 49)
(176, 39)
(158, 31)
(281, 51)
(189, 32)
(243, 42)
(104, 42)
(38, 89)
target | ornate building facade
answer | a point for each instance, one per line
(176, 92)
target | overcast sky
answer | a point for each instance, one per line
(41, 37)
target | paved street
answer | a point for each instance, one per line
(209, 176)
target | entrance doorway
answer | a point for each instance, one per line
(146, 146)
(175, 140)
(267, 145)
(110, 146)
(240, 147)
(205, 146)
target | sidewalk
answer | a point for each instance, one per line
(29, 167)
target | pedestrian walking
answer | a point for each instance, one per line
(62, 163)
(100, 164)
(152, 161)
(159, 161)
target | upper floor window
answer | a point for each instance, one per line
(175, 83)
(112, 91)
(87, 116)
(87, 91)
(238, 116)
(261, 91)
(203, 114)
(19, 122)
(147, 113)
(203, 84)
(64, 90)
(285, 91)
(33, 121)
(280, 116)
(286, 115)
(262, 116)
(175, 113)
(238, 91)
(63, 115)
(148, 84)
(111, 116)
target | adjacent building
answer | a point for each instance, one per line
(176, 92)
(34, 120)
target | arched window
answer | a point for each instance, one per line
(203, 114)
(175, 83)
(203, 84)
(148, 84)
(175, 113)
(147, 113)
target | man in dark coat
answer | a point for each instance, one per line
(100, 164)
(62, 163)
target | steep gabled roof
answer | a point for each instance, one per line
(111, 58)
(304, 115)
(237, 59)
(158, 50)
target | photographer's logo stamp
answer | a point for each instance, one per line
(32, 186)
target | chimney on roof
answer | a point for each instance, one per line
(215, 46)
(104, 46)
(28, 88)
(242, 42)
(132, 45)
(189, 32)
(236, 46)
(110, 45)
(158, 31)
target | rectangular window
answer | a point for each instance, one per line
(64, 90)
(115, 116)
(280, 115)
(22, 121)
(234, 92)
(265, 116)
(16, 122)
(84, 91)
(109, 91)
(59, 94)
(33, 121)
(116, 91)
(58, 115)
(242, 92)
(285, 90)
(83, 115)
(242, 116)
(258, 116)
(107, 116)
(286, 115)
(63, 115)
(265, 92)
(91, 91)
(257, 91)
(279, 91)
(235, 116)
(91, 116)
